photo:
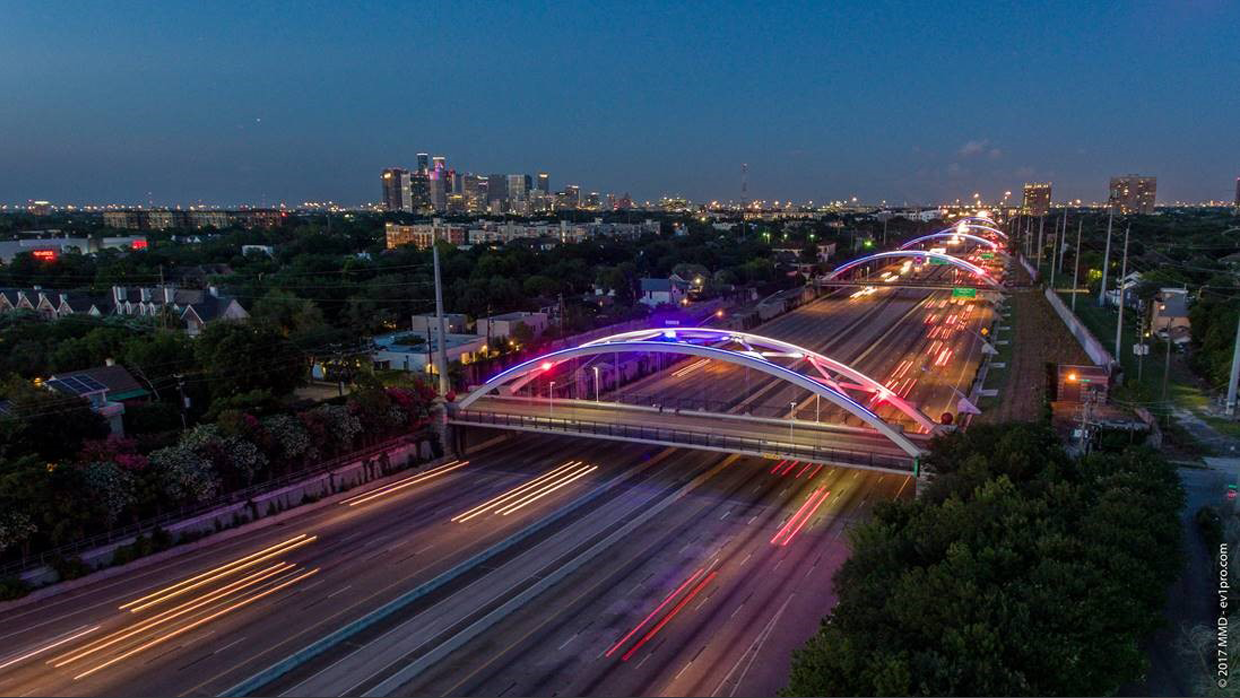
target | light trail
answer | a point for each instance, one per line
(788, 525)
(218, 573)
(667, 619)
(73, 635)
(806, 518)
(513, 493)
(170, 614)
(690, 368)
(547, 490)
(186, 628)
(403, 483)
(653, 613)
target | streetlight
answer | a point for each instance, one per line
(792, 415)
(595, 383)
(551, 399)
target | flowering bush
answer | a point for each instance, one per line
(185, 475)
(113, 488)
(15, 529)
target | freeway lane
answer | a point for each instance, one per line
(362, 557)
(365, 555)
(617, 627)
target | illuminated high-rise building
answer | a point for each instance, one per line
(518, 187)
(1037, 200)
(1133, 194)
(424, 162)
(396, 189)
(544, 182)
(1238, 193)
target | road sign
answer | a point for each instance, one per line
(1141, 349)
(988, 255)
(938, 260)
(964, 292)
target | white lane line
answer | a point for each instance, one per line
(754, 649)
(340, 590)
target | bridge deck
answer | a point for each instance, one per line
(808, 441)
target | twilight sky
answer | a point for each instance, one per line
(227, 102)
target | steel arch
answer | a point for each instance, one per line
(979, 226)
(754, 360)
(829, 369)
(954, 261)
(945, 234)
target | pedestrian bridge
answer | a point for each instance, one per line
(500, 403)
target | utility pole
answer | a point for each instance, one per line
(1167, 365)
(1076, 264)
(442, 354)
(1106, 259)
(1063, 241)
(1119, 325)
(1235, 373)
(184, 402)
(1142, 350)
(1041, 226)
(1055, 249)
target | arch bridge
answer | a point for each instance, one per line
(879, 444)
(964, 265)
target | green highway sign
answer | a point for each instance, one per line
(962, 292)
(988, 255)
(937, 260)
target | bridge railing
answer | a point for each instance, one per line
(684, 437)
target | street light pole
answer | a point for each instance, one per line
(1076, 264)
(1235, 373)
(792, 415)
(1106, 259)
(1119, 325)
(595, 383)
(551, 399)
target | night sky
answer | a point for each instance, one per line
(264, 102)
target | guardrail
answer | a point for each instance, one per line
(726, 443)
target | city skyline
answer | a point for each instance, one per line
(899, 103)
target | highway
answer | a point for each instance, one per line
(684, 572)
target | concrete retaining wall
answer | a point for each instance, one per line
(315, 487)
(1087, 340)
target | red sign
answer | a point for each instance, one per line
(44, 255)
(138, 244)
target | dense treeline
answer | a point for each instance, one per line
(1019, 572)
(62, 478)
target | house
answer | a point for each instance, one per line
(415, 352)
(211, 308)
(1169, 313)
(107, 388)
(454, 323)
(504, 325)
(1129, 285)
(672, 291)
(194, 307)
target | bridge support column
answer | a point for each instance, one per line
(450, 437)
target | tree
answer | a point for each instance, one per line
(239, 357)
(185, 476)
(298, 319)
(522, 334)
(1035, 577)
(112, 488)
(44, 422)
